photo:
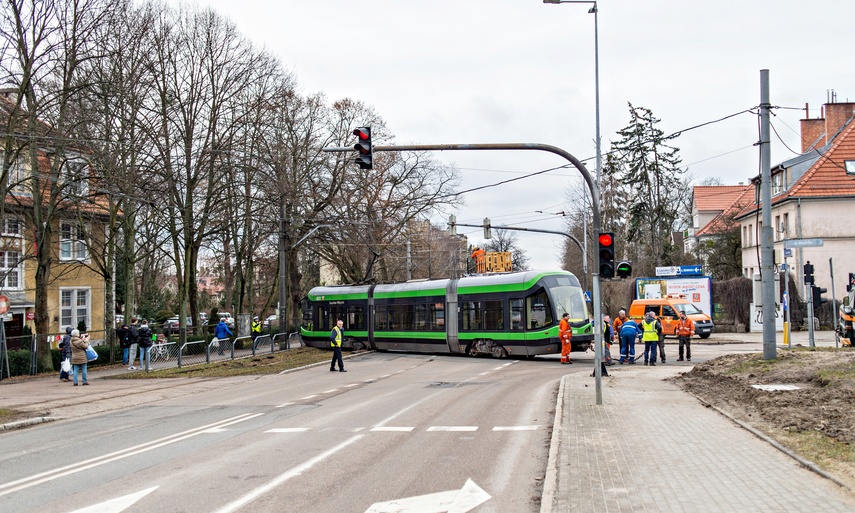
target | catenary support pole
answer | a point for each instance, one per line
(766, 233)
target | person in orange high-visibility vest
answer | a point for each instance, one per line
(685, 331)
(565, 334)
(478, 257)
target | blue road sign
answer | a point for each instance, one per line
(691, 270)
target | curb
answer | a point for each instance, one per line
(27, 422)
(550, 480)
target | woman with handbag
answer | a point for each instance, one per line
(78, 355)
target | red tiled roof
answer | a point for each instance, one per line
(827, 177)
(722, 221)
(716, 197)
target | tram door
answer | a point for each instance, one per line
(451, 334)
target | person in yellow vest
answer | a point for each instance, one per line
(685, 332)
(255, 329)
(335, 342)
(565, 335)
(650, 330)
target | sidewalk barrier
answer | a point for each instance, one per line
(261, 342)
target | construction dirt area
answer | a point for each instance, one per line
(804, 399)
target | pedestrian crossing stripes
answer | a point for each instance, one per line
(408, 429)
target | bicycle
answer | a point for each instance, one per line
(159, 350)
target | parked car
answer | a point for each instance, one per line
(173, 322)
(270, 320)
(230, 321)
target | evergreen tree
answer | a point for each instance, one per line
(649, 167)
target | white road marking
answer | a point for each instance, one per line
(308, 397)
(351, 385)
(453, 428)
(384, 376)
(330, 391)
(284, 405)
(484, 373)
(287, 430)
(499, 368)
(516, 428)
(118, 504)
(369, 381)
(285, 476)
(452, 501)
(215, 430)
(393, 428)
(27, 482)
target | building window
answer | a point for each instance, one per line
(778, 183)
(785, 225)
(77, 177)
(72, 242)
(850, 166)
(12, 226)
(777, 229)
(74, 307)
(10, 270)
(17, 176)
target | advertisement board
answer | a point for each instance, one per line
(697, 289)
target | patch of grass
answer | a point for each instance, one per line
(825, 451)
(258, 365)
(828, 375)
(6, 414)
(754, 365)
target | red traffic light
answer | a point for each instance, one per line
(364, 134)
(605, 239)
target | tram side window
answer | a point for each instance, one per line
(404, 318)
(437, 317)
(471, 315)
(336, 312)
(538, 309)
(493, 314)
(381, 317)
(517, 317)
(420, 317)
(355, 317)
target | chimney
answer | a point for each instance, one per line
(836, 116)
(812, 130)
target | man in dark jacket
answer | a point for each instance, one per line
(123, 335)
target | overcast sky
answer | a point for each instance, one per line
(493, 71)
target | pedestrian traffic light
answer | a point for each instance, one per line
(364, 158)
(624, 269)
(607, 255)
(452, 224)
(818, 300)
(487, 233)
(851, 282)
(808, 269)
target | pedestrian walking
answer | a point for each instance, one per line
(65, 353)
(133, 342)
(651, 328)
(685, 332)
(335, 341)
(660, 343)
(565, 335)
(146, 339)
(78, 356)
(629, 332)
(222, 334)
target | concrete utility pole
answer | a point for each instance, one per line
(767, 254)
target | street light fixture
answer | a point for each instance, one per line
(593, 10)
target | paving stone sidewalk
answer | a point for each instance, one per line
(650, 447)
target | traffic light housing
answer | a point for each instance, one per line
(624, 269)
(808, 269)
(487, 233)
(365, 156)
(607, 254)
(818, 300)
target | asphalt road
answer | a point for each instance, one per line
(464, 434)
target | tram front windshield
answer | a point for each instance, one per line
(568, 297)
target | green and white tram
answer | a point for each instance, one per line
(514, 314)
